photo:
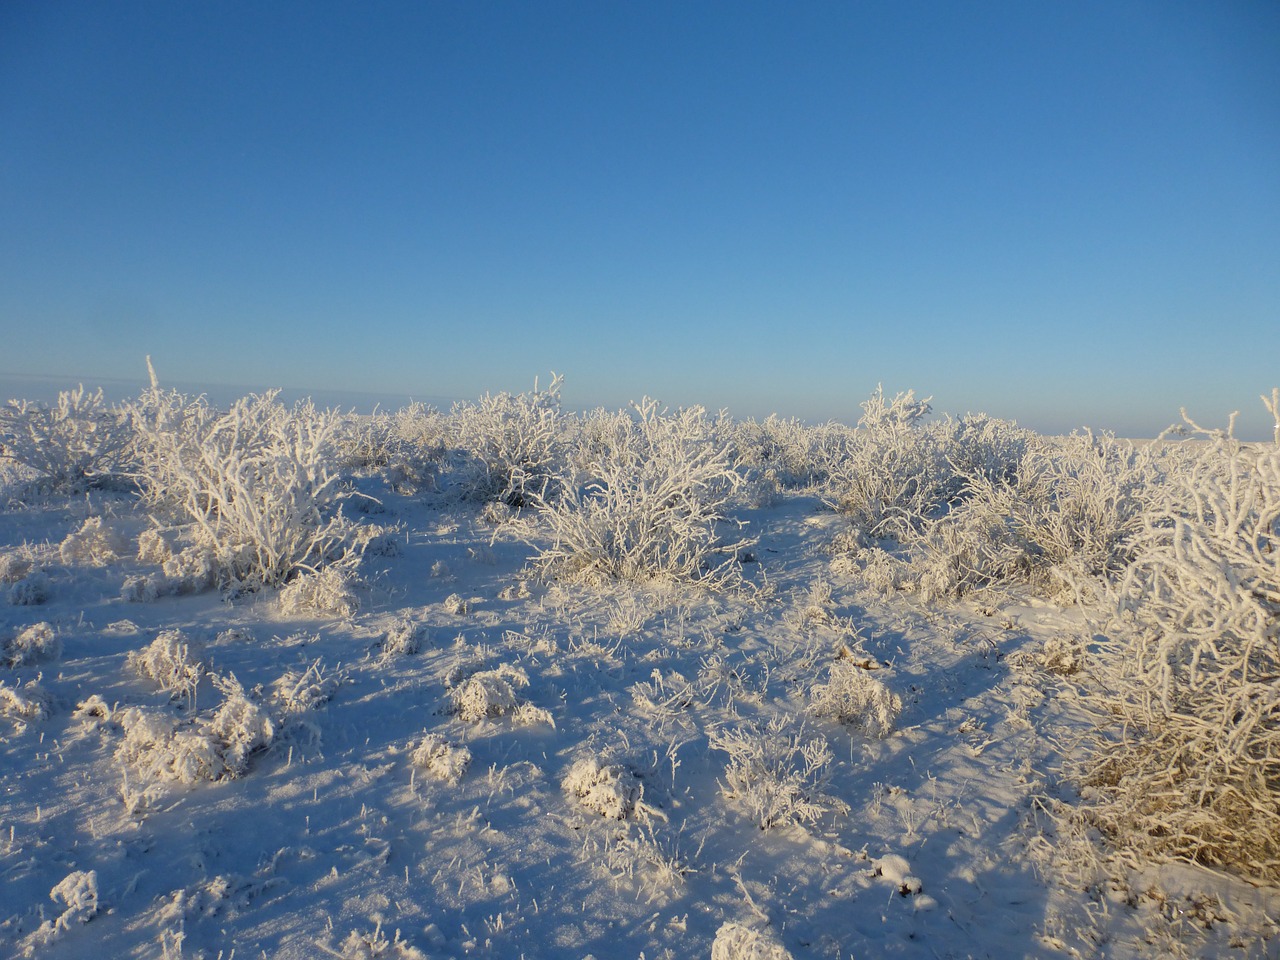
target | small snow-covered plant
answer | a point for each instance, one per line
(326, 591)
(297, 692)
(1186, 761)
(488, 694)
(24, 703)
(440, 759)
(173, 661)
(609, 789)
(375, 945)
(652, 508)
(32, 590)
(404, 638)
(15, 564)
(777, 771)
(161, 747)
(76, 443)
(855, 698)
(893, 475)
(242, 725)
(36, 643)
(257, 482)
(735, 941)
(93, 544)
(514, 442)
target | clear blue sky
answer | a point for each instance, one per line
(1065, 213)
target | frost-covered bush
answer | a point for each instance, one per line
(1065, 522)
(32, 590)
(327, 591)
(76, 443)
(783, 451)
(375, 945)
(652, 507)
(242, 725)
(1186, 763)
(173, 661)
(514, 444)
(257, 482)
(29, 701)
(440, 759)
(36, 643)
(160, 746)
(297, 692)
(94, 544)
(14, 565)
(855, 698)
(734, 941)
(488, 694)
(777, 772)
(404, 638)
(893, 474)
(610, 789)
(215, 745)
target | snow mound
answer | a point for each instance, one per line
(737, 942)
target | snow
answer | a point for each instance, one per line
(473, 761)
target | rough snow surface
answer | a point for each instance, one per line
(472, 762)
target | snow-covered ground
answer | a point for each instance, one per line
(477, 761)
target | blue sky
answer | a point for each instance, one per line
(1061, 213)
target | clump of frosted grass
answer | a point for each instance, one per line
(440, 759)
(611, 790)
(854, 697)
(36, 643)
(174, 661)
(777, 772)
(489, 694)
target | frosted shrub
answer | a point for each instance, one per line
(652, 508)
(782, 451)
(375, 945)
(893, 475)
(1187, 760)
(327, 591)
(32, 590)
(777, 772)
(256, 482)
(853, 697)
(488, 694)
(161, 747)
(93, 544)
(77, 442)
(24, 703)
(609, 789)
(301, 691)
(34, 644)
(735, 941)
(404, 638)
(241, 725)
(173, 661)
(440, 759)
(213, 746)
(977, 445)
(1066, 523)
(14, 565)
(514, 443)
